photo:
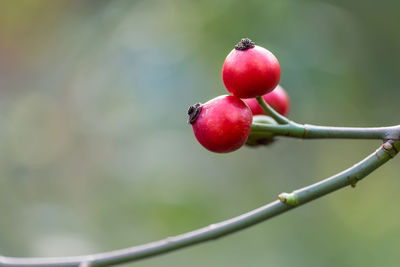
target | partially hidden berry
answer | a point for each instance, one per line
(222, 124)
(250, 70)
(278, 99)
(261, 139)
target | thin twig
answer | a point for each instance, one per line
(290, 128)
(308, 131)
(287, 202)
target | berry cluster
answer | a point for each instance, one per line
(223, 124)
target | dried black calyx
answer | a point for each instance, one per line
(193, 112)
(244, 44)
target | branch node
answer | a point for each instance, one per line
(305, 131)
(353, 180)
(387, 146)
(289, 198)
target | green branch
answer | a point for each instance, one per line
(308, 131)
(286, 202)
(290, 128)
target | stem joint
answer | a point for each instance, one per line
(289, 199)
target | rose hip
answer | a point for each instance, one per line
(250, 70)
(222, 124)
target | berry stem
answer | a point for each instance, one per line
(287, 202)
(270, 111)
(307, 131)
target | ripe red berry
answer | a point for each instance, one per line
(250, 70)
(278, 99)
(222, 124)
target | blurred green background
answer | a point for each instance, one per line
(96, 153)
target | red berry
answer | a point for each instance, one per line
(250, 70)
(278, 99)
(222, 124)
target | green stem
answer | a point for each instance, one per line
(296, 130)
(293, 129)
(287, 202)
(271, 112)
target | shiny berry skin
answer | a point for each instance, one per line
(222, 124)
(278, 99)
(250, 70)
